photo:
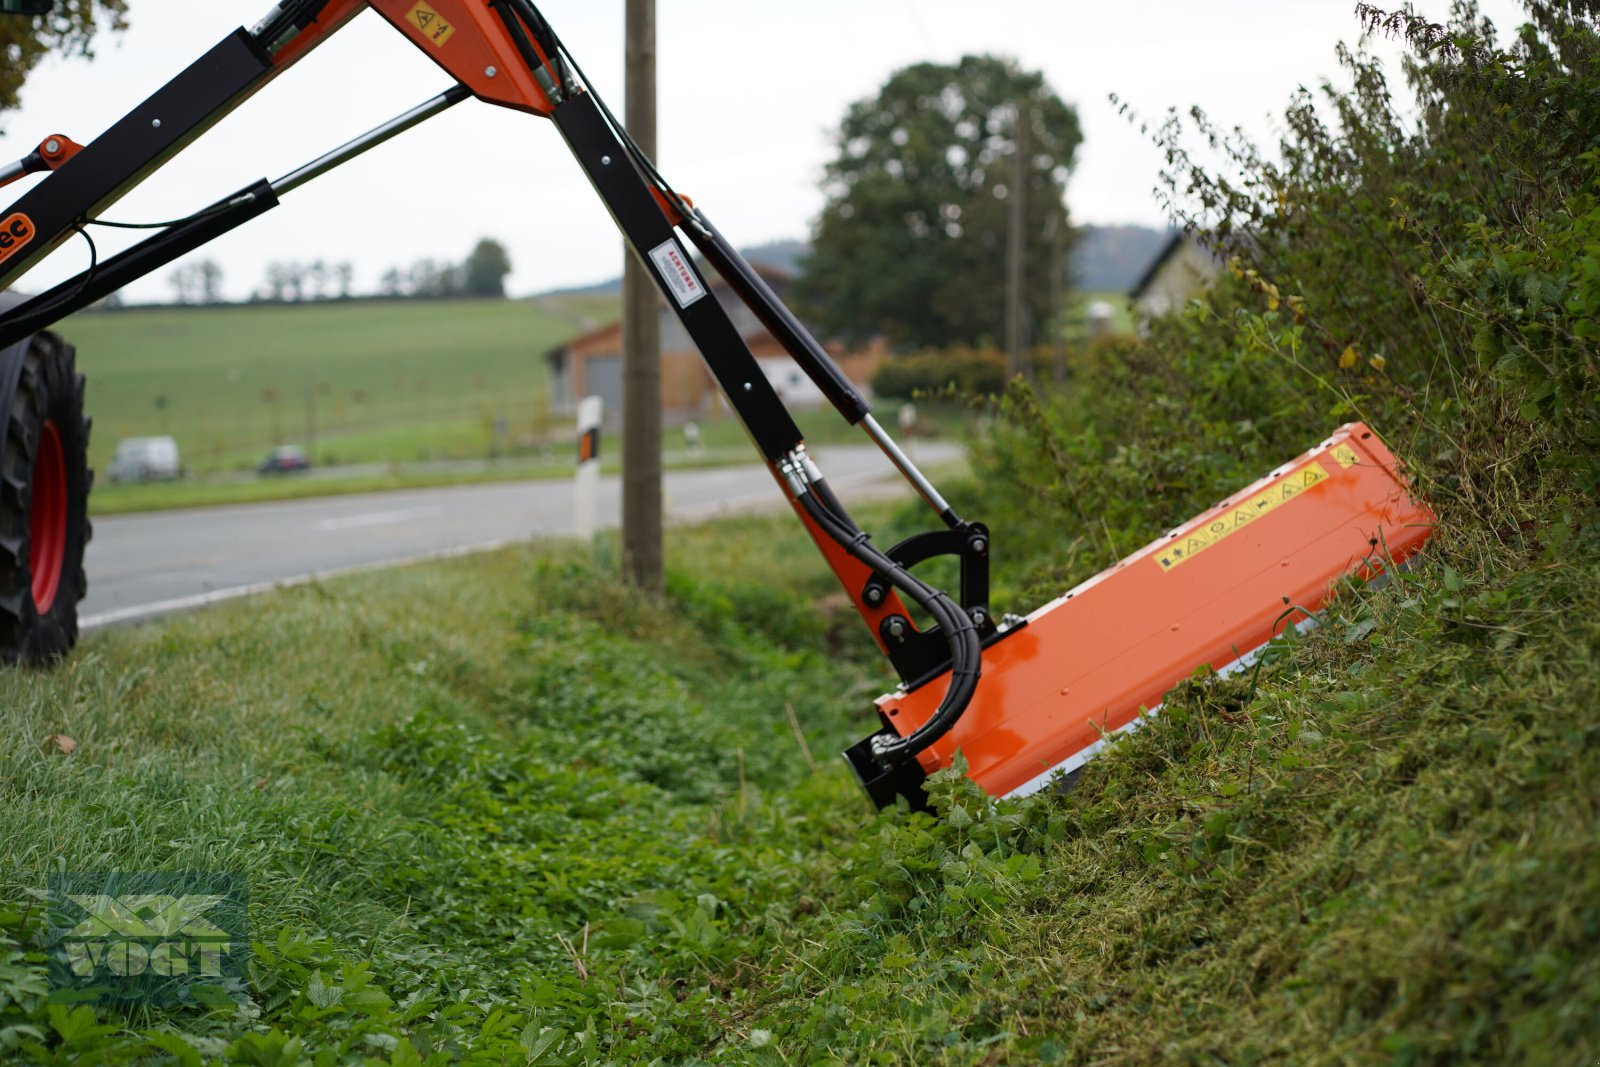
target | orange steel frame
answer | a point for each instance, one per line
(1090, 663)
(464, 37)
(1087, 665)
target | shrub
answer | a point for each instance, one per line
(970, 372)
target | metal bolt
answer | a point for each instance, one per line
(748, 387)
(52, 146)
(489, 72)
(874, 595)
(605, 161)
(979, 616)
(897, 628)
(979, 545)
(155, 123)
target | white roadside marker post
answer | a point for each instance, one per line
(586, 485)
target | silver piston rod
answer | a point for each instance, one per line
(908, 469)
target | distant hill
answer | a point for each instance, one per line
(1113, 258)
(780, 255)
(1106, 258)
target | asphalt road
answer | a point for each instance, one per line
(141, 566)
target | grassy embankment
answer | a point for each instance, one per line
(460, 793)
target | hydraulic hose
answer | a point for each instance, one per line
(959, 631)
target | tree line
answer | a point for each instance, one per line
(482, 274)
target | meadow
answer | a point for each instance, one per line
(358, 382)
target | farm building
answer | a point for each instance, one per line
(1182, 270)
(591, 365)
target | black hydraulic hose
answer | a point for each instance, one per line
(965, 652)
(519, 33)
(831, 501)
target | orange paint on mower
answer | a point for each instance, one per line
(1212, 591)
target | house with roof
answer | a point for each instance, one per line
(591, 364)
(1182, 270)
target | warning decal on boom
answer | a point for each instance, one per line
(428, 21)
(1188, 545)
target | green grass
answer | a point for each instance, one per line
(378, 381)
(439, 779)
(723, 443)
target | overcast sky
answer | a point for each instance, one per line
(749, 92)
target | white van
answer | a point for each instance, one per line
(144, 459)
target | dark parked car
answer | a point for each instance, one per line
(285, 460)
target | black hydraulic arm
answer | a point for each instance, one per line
(778, 319)
(611, 169)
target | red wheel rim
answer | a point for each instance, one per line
(47, 519)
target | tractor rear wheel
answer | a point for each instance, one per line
(44, 500)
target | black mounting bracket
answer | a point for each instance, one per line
(919, 654)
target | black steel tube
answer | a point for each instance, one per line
(623, 190)
(778, 319)
(150, 254)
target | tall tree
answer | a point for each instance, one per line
(209, 277)
(183, 280)
(486, 269)
(276, 286)
(912, 239)
(317, 279)
(69, 30)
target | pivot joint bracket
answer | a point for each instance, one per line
(915, 653)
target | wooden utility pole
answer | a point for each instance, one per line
(1016, 248)
(1056, 234)
(641, 337)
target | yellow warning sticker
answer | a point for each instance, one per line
(1346, 456)
(433, 27)
(1188, 545)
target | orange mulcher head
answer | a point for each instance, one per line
(1212, 592)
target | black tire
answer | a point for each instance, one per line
(44, 501)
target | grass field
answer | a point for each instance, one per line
(370, 381)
